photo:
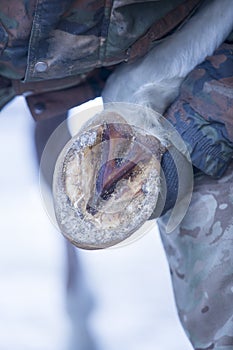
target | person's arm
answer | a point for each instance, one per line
(203, 112)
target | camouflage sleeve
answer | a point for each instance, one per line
(203, 112)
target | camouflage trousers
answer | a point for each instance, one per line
(200, 256)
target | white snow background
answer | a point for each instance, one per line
(133, 305)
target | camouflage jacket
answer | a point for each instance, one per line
(203, 112)
(54, 45)
(59, 53)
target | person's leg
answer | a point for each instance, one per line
(43, 130)
(78, 300)
(200, 255)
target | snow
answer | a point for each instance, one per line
(132, 303)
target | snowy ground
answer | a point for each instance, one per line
(133, 302)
